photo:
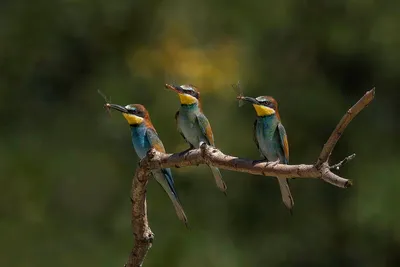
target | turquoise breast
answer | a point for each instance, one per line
(187, 123)
(139, 140)
(268, 137)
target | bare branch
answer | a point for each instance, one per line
(214, 157)
(141, 231)
(342, 125)
(334, 179)
(211, 156)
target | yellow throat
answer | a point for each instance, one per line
(133, 119)
(263, 110)
(187, 99)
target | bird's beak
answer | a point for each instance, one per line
(176, 89)
(116, 107)
(249, 99)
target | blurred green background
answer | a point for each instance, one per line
(66, 166)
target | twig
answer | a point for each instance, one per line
(341, 163)
(214, 157)
(337, 133)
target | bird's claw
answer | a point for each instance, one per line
(202, 144)
(273, 163)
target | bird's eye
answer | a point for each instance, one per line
(270, 104)
(191, 92)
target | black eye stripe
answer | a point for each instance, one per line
(134, 111)
(268, 104)
(192, 93)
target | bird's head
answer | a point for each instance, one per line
(188, 94)
(264, 105)
(135, 114)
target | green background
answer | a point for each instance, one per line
(66, 166)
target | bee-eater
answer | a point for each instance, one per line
(271, 139)
(193, 125)
(145, 137)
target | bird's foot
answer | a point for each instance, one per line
(273, 163)
(202, 144)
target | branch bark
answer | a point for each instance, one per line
(211, 156)
(141, 230)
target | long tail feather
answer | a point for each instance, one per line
(179, 211)
(168, 186)
(218, 179)
(286, 194)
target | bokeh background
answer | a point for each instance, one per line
(66, 166)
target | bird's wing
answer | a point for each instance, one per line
(156, 143)
(255, 134)
(154, 140)
(284, 141)
(168, 176)
(205, 127)
(165, 180)
(255, 139)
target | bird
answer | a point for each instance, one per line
(193, 125)
(144, 138)
(270, 137)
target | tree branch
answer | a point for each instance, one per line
(211, 156)
(337, 133)
(141, 230)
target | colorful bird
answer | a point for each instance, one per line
(144, 137)
(271, 139)
(193, 124)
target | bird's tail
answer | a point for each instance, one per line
(285, 191)
(165, 180)
(179, 210)
(218, 179)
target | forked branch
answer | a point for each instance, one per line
(211, 156)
